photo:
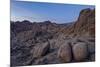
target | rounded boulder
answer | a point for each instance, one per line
(80, 51)
(64, 53)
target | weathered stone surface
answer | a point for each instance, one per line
(80, 51)
(41, 50)
(51, 58)
(64, 53)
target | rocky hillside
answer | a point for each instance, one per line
(35, 43)
(85, 24)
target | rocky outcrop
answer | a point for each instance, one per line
(85, 24)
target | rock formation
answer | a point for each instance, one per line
(49, 43)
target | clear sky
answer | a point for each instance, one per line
(38, 12)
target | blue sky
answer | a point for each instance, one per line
(38, 12)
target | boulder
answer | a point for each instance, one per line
(80, 51)
(41, 50)
(64, 53)
(50, 58)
